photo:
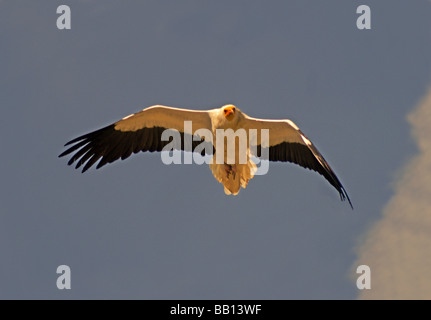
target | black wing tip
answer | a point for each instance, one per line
(78, 143)
(76, 140)
(70, 142)
(65, 153)
(344, 196)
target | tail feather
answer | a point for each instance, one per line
(235, 176)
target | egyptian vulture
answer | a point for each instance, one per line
(144, 131)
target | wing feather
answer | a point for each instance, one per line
(141, 131)
(288, 144)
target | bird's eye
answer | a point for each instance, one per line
(225, 110)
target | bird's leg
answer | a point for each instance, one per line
(230, 169)
(233, 170)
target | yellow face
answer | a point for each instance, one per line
(229, 111)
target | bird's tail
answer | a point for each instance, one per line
(234, 176)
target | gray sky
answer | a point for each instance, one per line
(141, 229)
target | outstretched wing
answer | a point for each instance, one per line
(137, 132)
(288, 143)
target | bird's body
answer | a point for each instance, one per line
(143, 131)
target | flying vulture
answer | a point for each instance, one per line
(152, 129)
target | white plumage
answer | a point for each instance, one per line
(142, 131)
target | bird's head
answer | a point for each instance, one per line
(229, 111)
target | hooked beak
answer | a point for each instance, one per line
(229, 111)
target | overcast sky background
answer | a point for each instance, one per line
(141, 229)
